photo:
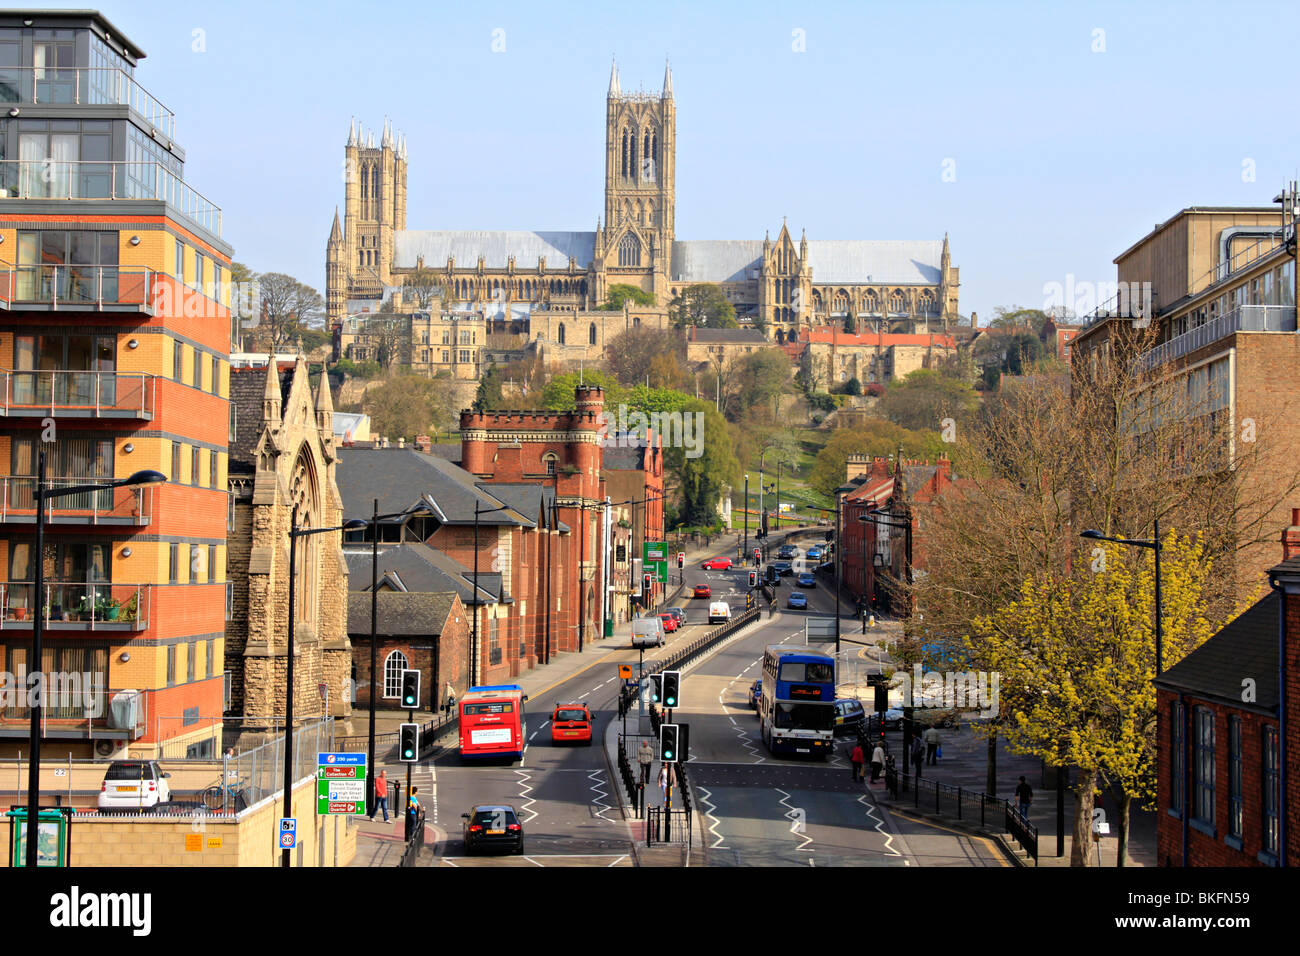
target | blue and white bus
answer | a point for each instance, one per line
(797, 709)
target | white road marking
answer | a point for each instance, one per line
(598, 787)
(792, 815)
(524, 790)
(618, 860)
(880, 825)
(706, 797)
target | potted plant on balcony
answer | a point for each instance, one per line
(130, 609)
(85, 610)
(107, 608)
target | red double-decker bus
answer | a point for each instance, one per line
(492, 722)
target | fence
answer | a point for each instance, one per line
(969, 806)
(250, 777)
(667, 826)
(414, 841)
(386, 744)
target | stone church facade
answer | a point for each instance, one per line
(282, 457)
(537, 276)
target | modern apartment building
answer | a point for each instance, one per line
(1219, 284)
(114, 345)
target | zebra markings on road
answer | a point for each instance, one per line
(524, 790)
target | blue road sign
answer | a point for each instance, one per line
(288, 833)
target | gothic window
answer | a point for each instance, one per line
(374, 191)
(897, 304)
(871, 303)
(361, 258)
(365, 184)
(559, 336)
(303, 496)
(927, 302)
(629, 250)
(625, 156)
(394, 664)
(840, 301)
(591, 334)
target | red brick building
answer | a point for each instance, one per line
(427, 631)
(1228, 781)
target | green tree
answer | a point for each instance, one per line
(763, 376)
(703, 305)
(406, 406)
(620, 292)
(631, 354)
(1016, 318)
(877, 438)
(560, 392)
(288, 308)
(489, 395)
(924, 398)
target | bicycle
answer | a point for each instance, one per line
(214, 797)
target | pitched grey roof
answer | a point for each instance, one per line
(466, 245)
(449, 452)
(623, 457)
(398, 613)
(1246, 647)
(416, 567)
(247, 387)
(402, 478)
(527, 499)
(715, 260)
(856, 261)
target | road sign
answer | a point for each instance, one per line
(288, 833)
(655, 555)
(625, 671)
(341, 783)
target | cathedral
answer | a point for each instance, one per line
(533, 281)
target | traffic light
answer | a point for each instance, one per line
(672, 687)
(408, 743)
(410, 688)
(681, 560)
(753, 579)
(668, 743)
(749, 600)
(656, 688)
(882, 698)
(683, 743)
(646, 580)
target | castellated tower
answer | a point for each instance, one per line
(359, 259)
(635, 245)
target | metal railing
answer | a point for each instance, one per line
(91, 394)
(970, 806)
(110, 505)
(82, 179)
(1244, 318)
(667, 826)
(71, 286)
(92, 86)
(79, 606)
(258, 773)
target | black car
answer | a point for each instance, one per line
(492, 826)
(850, 717)
(783, 568)
(787, 551)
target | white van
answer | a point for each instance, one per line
(719, 612)
(647, 632)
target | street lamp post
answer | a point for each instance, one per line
(865, 519)
(906, 525)
(745, 551)
(43, 494)
(1154, 545)
(294, 534)
(474, 602)
(837, 575)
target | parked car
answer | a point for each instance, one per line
(670, 622)
(807, 580)
(703, 591)
(133, 785)
(755, 692)
(491, 825)
(893, 719)
(571, 723)
(716, 564)
(797, 600)
(850, 716)
(783, 568)
(679, 613)
(647, 632)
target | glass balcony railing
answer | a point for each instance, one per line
(77, 286)
(92, 86)
(56, 179)
(1244, 318)
(57, 392)
(131, 506)
(82, 697)
(78, 606)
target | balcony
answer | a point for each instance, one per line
(79, 706)
(112, 506)
(1244, 318)
(103, 288)
(78, 607)
(60, 393)
(51, 179)
(89, 86)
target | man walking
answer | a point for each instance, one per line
(856, 759)
(932, 746)
(645, 756)
(381, 795)
(1024, 797)
(877, 762)
(918, 754)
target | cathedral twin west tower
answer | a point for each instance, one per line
(526, 276)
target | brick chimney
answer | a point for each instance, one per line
(1291, 537)
(424, 443)
(508, 464)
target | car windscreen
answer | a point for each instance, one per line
(129, 771)
(495, 819)
(571, 714)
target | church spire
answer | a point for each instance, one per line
(336, 233)
(352, 132)
(668, 81)
(613, 80)
(271, 392)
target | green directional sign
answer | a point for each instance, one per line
(655, 555)
(341, 783)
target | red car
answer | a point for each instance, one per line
(703, 591)
(670, 622)
(716, 564)
(571, 722)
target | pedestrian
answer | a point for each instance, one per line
(663, 777)
(918, 754)
(645, 756)
(381, 795)
(932, 746)
(857, 758)
(877, 762)
(1024, 797)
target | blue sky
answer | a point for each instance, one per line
(1063, 145)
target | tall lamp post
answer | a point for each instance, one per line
(474, 601)
(876, 515)
(865, 519)
(43, 495)
(356, 524)
(837, 575)
(1154, 545)
(745, 550)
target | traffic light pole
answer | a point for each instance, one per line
(410, 812)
